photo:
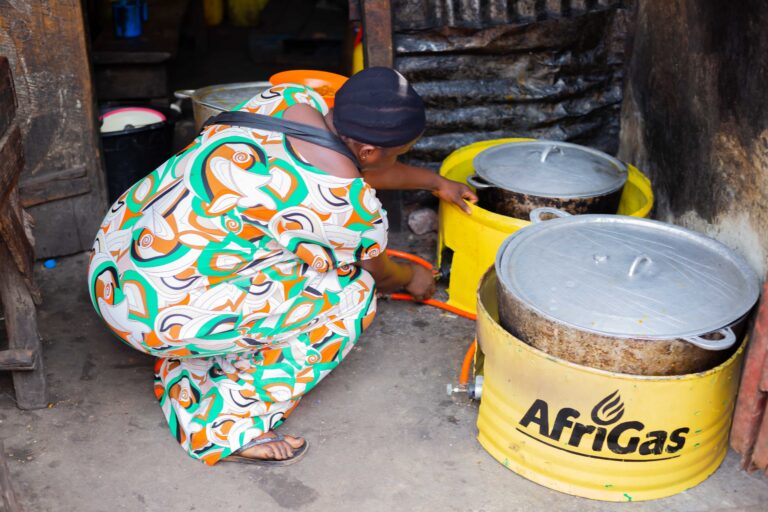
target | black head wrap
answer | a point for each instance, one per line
(378, 106)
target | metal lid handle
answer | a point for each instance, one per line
(546, 152)
(184, 94)
(478, 182)
(727, 341)
(636, 264)
(536, 213)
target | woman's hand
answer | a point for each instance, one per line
(455, 192)
(422, 283)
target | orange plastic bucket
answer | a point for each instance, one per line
(323, 82)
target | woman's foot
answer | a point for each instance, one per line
(277, 450)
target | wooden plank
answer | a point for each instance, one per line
(377, 31)
(77, 221)
(55, 186)
(7, 97)
(8, 498)
(21, 327)
(131, 81)
(18, 359)
(11, 161)
(12, 231)
(14, 236)
(46, 46)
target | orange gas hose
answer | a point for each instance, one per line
(469, 356)
(430, 302)
(435, 303)
(467, 363)
(410, 257)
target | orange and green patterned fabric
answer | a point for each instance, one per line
(234, 264)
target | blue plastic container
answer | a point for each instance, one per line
(127, 15)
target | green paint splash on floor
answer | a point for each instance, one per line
(608, 486)
(629, 498)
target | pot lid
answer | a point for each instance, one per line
(550, 169)
(626, 277)
(126, 118)
(228, 96)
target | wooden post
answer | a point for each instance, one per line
(17, 289)
(377, 30)
(21, 326)
(377, 33)
(46, 46)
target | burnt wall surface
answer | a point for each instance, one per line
(513, 68)
(696, 116)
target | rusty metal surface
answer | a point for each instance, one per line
(520, 206)
(510, 69)
(424, 14)
(634, 356)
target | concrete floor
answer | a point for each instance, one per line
(384, 434)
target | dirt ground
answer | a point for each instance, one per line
(384, 434)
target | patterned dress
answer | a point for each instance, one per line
(233, 263)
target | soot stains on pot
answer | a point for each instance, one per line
(633, 356)
(517, 205)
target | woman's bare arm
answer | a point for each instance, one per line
(400, 176)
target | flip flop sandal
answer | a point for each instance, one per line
(298, 453)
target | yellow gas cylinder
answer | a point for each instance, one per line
(474, 239)
(245, 13)
(357, 58)
(213, 11)
(593, 433)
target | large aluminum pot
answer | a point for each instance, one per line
(214, 99)
(624, 294)
(515, 178)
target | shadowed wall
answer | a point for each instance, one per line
(695, 117)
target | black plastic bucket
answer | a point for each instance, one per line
(132, 153)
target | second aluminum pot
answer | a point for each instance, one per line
(515, 178)
(214, 99)
(624, 294)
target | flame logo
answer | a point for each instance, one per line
(608, 410)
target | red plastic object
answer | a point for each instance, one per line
(749, 433)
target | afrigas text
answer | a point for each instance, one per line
(604, 433)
